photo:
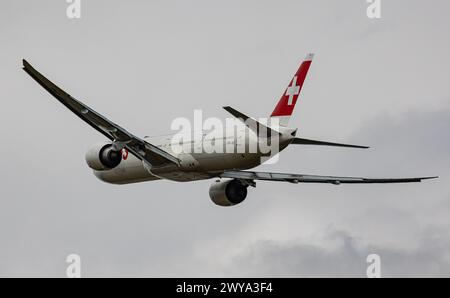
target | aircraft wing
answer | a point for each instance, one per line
(300, 178)
(120, 136)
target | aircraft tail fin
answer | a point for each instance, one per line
(286, 104)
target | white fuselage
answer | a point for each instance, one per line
(201, 161)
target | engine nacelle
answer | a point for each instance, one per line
(228, 192)
(102, 157)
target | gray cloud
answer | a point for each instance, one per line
(429, 258)
(407, 226)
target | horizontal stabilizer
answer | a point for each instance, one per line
(251, 123)
(300, 141)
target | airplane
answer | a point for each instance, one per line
(126, 158)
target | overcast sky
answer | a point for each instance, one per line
(382, 83)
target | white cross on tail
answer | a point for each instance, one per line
(292, 90)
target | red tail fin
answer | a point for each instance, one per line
(287, 102)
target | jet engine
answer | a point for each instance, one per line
(228, 192)
(103, 157)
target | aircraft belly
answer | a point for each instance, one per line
(203, 165)
(132, 170)
(214, 161)
(184, 176)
